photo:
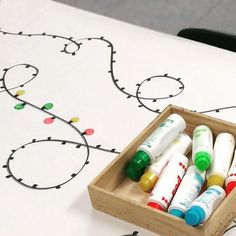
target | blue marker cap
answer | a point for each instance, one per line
(177, 212)
(194, 216)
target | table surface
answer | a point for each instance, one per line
(166, 16)
(76, 88)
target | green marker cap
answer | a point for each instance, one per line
(137, 165)
(202, 160)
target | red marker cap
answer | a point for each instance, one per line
(230, 186)
(156, 206)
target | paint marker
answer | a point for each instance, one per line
(223, 154)
(202, 152)
(230, 181)
(168, 182)
(201, 208)
(188, 191)
(154, 145)
(182, 144)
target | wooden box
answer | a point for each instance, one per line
(113, 193)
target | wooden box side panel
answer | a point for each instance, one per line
(222, 216)
(113, 174)
(194, 119)
(140, 215)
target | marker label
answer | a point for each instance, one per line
(167, 131)
(188, 190)
(223, 154)
(182, 144)
(204, 205)
(169, 181)
(154, 145)
(211, 198)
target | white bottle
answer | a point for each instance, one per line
(230, 181)
(202, 152)
(188, 191)
(182, 144)
(154, 145)
(223, 154)
(166, 132)
(168, 182)
(201, 208)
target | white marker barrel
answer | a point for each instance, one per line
(168, 182)
(154, 145)
(187, 192)
(182, 144)
(201, 208)
(166, 132)
(223, 154)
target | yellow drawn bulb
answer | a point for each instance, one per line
(75, 119)
(20, 92)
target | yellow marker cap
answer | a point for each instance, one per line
(148, 181)
(215, 180)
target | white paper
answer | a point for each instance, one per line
(105, 84)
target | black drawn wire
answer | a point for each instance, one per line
(81, 134)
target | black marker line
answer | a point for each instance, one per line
(112, 61)
(114, 80)
(230, 228)
(36, 186)
(45, 35)
(218, 109)
(44, 111)
(23, 64)
(112, 52)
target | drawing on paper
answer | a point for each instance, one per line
(72, 47)
(68, 49)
